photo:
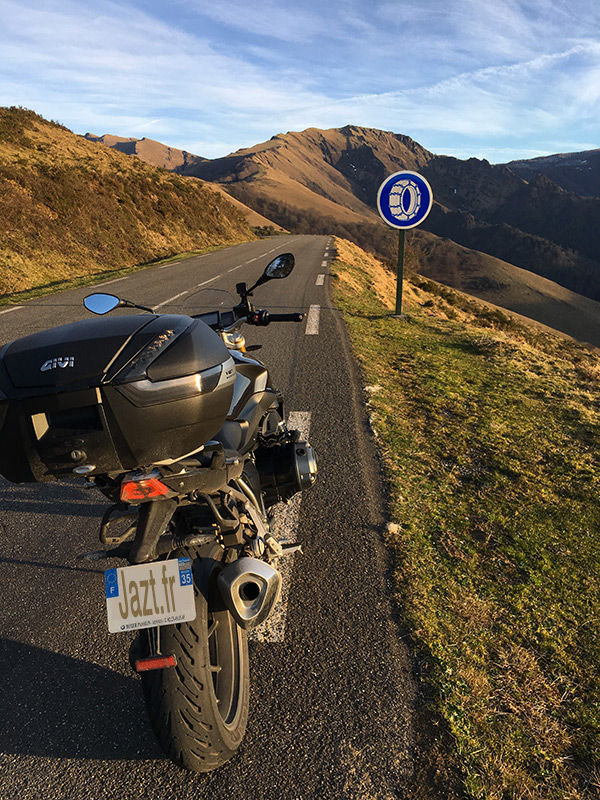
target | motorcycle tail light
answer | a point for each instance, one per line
(135, 491)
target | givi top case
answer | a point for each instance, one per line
(111, 394)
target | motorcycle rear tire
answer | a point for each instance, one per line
(199, 708)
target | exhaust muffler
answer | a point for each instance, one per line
(250, 588)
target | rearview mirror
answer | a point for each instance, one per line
(280, 267)
(101, 303)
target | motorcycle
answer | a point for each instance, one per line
(179, 427)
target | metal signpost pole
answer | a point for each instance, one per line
(400, 272)
(404, 199)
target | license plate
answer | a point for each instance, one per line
(149, 595)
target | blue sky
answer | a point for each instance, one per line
(495, 79)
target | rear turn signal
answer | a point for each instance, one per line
(154, 662)
(145, 489)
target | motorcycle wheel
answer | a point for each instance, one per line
(199, 709)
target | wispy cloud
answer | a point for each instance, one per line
(516, 103)
(264, 18)
(503, 77)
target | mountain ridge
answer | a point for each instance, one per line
(577, 172)
(336, 174)
(148, 150)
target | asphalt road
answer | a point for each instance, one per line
(332, 704)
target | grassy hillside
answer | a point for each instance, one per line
(490, 432)
(505, 285)
(69, 207)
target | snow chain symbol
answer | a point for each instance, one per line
(405, 199)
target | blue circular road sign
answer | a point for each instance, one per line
(404, 199)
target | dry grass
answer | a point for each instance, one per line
(69, 207)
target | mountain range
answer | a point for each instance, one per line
(535, 225)
(71, 205)
(507, 233)
(575, 172)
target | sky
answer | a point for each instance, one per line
(495, 79)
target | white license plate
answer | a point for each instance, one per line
(148, 595)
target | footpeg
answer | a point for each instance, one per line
(287, 548)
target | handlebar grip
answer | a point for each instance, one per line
(295, 317)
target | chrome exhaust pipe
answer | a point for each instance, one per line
(249, 588)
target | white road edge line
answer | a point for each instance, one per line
(115, 280)
(179, 260)
(8, 310)
(312, 321)
(320, 280)
(284, 526)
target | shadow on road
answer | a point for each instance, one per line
(57, 706)
(67, 499)
(17, 562)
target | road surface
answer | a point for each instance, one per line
(332, 692)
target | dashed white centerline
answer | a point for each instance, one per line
(171, 299)
(8, 310)
(284, 526)
(187, 291)
(198, 285)
(312, 321)
(210, 280)
(320, 280)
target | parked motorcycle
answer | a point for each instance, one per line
(172, 419)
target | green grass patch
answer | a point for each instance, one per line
(490, 436)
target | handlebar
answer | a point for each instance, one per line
(295, 317)
(263, 317)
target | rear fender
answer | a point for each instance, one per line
(153, 519)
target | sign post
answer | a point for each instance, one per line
(404, 200)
